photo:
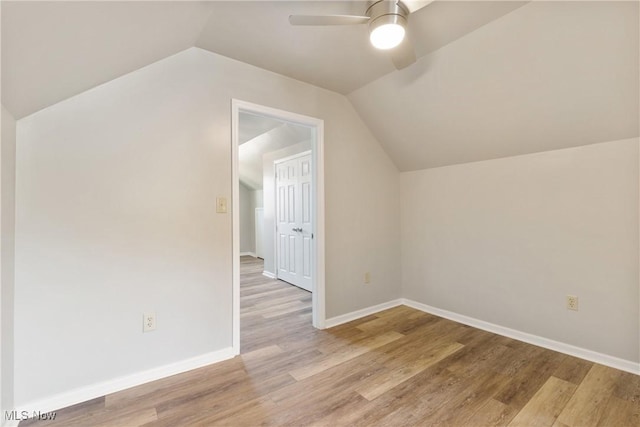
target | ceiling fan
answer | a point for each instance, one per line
(387, 19)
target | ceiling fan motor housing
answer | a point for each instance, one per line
(384, 12)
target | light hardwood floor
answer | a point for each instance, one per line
(398, 367)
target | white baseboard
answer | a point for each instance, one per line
(582, 353)
(251, 254)
(269, 274)
(344, 318)
(83, 394)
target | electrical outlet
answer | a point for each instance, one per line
(148, 322)
(367, 277)
(572, 302)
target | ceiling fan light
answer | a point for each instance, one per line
(387, 31)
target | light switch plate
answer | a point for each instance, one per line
(221, 205)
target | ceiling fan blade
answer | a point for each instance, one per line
(415, 5)
(403, 55)
(327, 19)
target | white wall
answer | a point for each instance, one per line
(7, 253)
(506, 240)
(258, 198)
(269, 199)
(247, 220)
(258, 202)
(116, 193)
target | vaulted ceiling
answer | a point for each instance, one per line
(251, 150)
(547, 76)
(493, 79)
(52, 50)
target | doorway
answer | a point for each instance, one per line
(304, 198)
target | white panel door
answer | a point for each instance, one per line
(293, 221)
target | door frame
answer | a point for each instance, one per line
(275, 185)
(317, 155)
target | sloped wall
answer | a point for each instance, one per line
(549, 75)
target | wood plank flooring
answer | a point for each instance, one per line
(398, 367)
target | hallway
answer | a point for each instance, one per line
(270, 310)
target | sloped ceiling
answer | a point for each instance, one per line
(339, 58)
(494, 79)
(252, 125)
(53, 50)
(250, 165)
(549, 75)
